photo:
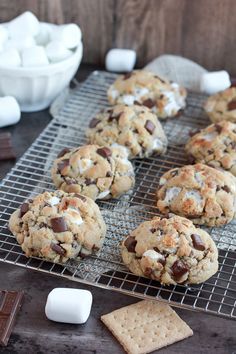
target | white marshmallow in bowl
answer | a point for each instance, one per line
(9, 111)
(20, 43)
(56, 51)
(23, 25)
(10, 58)
(120, 60)
(34, 56)
(215, 81)
(69, 35)
(68, 305)
(44, 34)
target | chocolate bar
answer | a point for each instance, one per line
(10, 304)
(6, 149)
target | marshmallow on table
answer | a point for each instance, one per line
(68, 305)
(56, 51)
(9, 111)
(34, 56)
(120, 60)
(213, 82)
(23, 25)
(10, 58)
(69, 35)
(20, 43)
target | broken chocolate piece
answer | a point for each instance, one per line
(198, 244)
(23, 209)
(179, 269)
(231, 105)
(62, 165)
(149, 103)
(218, 128)
(63, 152)
(116, 117)
(59, 224)
(149, 126)
(93, 123)
(10, 304)
(104, 152)
(58, 249)
(130, 244)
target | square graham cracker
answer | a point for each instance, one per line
(146, 326)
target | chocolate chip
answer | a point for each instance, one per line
(63, 152)
(153, 230)
(226, 189)
(116, 117)
(93, 123)
(162, 261)
(42, 224)
(79, 196)
(191, 158)
(109, 174)
(137, 103)
(104, 152)
(88, 181)
(127, 76)
(61, 165)
(218, 128)
(23, 209)
(179, 269)
(231, 105)
(149, 126)
(198, 244)
(58, 249)
(59, 224)
(149, 103)
(130, 244)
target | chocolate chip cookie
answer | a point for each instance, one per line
(215, 146)
(58, 226)
(165, 99)
(95, 171)
(199, 192)
(170, 251)
(134, 127)
(222, 106)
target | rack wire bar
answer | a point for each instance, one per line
(31, 175)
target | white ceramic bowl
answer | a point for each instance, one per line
(35, 88)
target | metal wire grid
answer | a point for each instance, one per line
(31, 176)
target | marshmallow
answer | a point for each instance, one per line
(69, 35)
(20, 43)
(213, 82)
(23, 25)
(34, 56)
(43, 37)
(3, 34)
(120, 60)
(10, 58)
(56, 51)
(9, 111)
(68, 305)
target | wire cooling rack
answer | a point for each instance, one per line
(31, 175)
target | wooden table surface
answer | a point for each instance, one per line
(33, 333)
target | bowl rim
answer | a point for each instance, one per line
(48, 67)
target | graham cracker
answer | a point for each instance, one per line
(146, 326)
